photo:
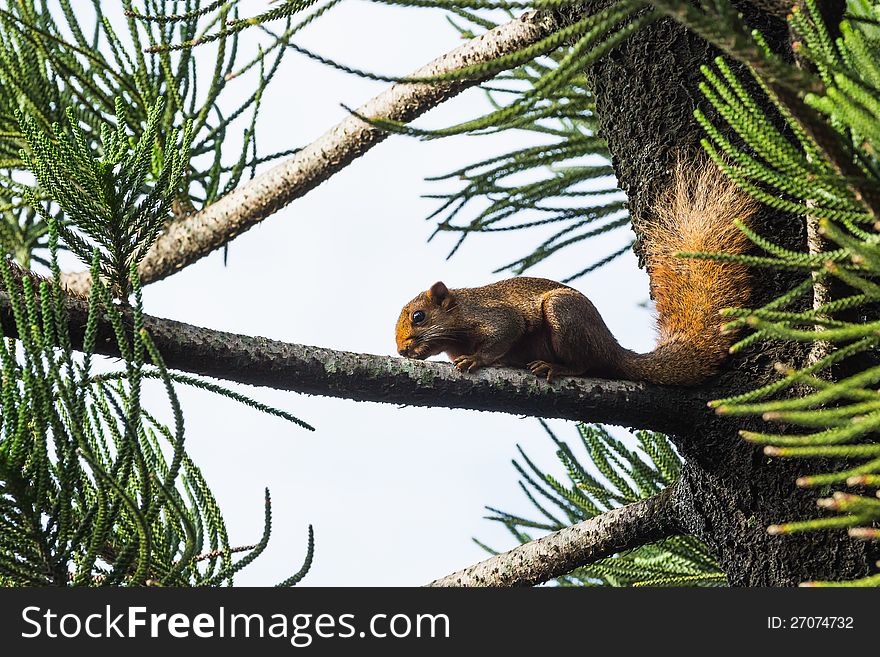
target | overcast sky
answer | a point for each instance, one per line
(395, 494)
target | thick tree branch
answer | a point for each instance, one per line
(191, 238)
(365, 377)
(561, 552)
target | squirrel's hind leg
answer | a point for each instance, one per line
(577, 334)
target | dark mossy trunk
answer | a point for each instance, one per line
(647, 91)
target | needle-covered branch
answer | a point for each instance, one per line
(366, 377)
(556, 554)
(191, 238)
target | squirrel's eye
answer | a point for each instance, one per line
(418, 317)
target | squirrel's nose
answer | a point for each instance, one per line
(403, 351)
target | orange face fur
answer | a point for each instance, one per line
(420, 333)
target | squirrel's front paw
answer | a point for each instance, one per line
(542, 367)
(467, 363)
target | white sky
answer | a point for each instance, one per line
(395, 495)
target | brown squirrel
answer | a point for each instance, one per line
(554, 330)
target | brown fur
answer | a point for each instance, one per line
(554, 330)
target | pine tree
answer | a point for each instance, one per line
(113, 153)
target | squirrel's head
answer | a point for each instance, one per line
(425, 328)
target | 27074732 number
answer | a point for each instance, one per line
(810, 623)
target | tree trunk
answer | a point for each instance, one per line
(647, 90)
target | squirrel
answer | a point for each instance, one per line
(554, 330)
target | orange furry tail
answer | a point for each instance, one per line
(695, 215)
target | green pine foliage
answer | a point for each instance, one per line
(78, 67)
(564, 186)
(608, 476)
(562, 189)
(117, 203)
(101, 145)
(94, 489)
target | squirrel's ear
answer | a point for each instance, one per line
(438, 293)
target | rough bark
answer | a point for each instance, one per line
(556, 554)
(189, 239)
(366, 377)
(646, 92)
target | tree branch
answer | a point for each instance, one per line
(187, 240)
(556, 554)
(366, 377)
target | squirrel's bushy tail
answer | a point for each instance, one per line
(695, 215)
